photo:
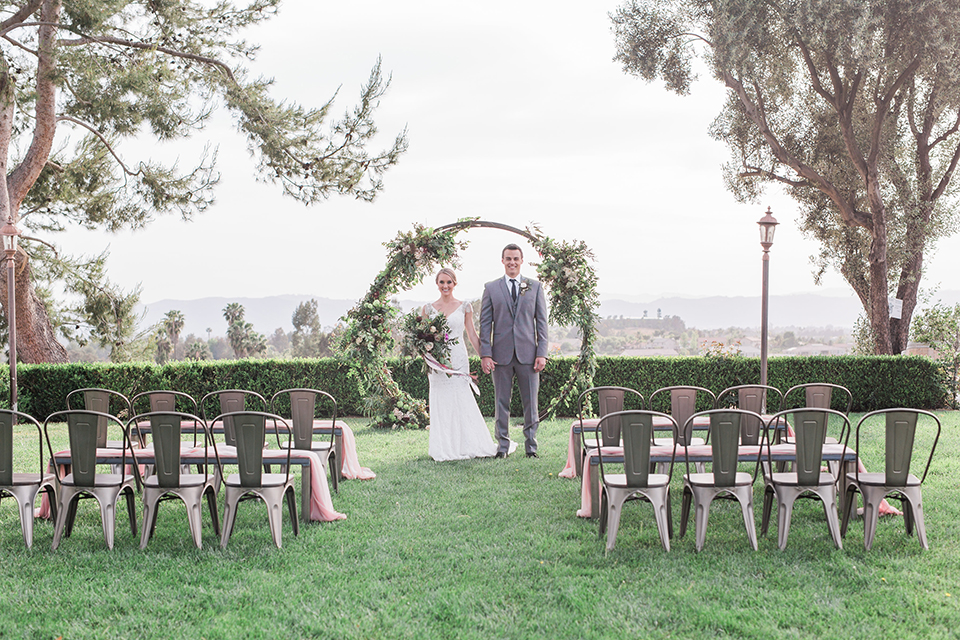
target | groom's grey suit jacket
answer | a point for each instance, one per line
(505, 330)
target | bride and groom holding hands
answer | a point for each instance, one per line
(512, 344)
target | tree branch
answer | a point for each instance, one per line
(106, 143)
(847, 212)
(21, 14)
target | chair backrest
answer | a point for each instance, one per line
(83, 429)
(683, 404)
(301, 404)
(162, 400)
(8, 419)
(819, 395)
(609, 400)
(637, 428)
(106, 401)
(231, 401)
(724, 436)
(165, 433)
(900, 433)
(811, 425)
(753, 398)
(250, 431)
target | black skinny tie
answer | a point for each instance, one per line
(513, 290)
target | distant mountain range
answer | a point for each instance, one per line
(716, 312)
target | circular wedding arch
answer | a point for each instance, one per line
(565, 268)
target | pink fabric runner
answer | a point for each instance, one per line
(350, 468)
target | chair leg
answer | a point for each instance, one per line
(212, 504)
(67, 504)
(912, 505)
(669, 515)
(151, 505)
(602, 528)
(871, 513)
(612, 513)
(330, 464)
(907, 517)
(71, 514)
(745, 498)
(108, 517)
(53, 500)
(685, 510)
(828, 495)
(701, 514)
(25, 502)
(292, 508)
(785, 500)
(849, 504)
(229, 516)
(661, 510)
(194, 519)
(274, 511)
(768, 494)
(132, 510)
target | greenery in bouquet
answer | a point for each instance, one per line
(427, 335)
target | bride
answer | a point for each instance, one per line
(457, 428)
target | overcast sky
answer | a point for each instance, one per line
(516, 113)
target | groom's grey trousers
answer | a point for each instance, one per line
(528, 381)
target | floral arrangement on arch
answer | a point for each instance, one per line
(565, 269)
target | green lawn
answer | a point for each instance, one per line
(486, 549)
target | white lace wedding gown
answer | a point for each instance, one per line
(457, 428)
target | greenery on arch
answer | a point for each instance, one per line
(565, 269)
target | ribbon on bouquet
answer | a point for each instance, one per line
(436, 365)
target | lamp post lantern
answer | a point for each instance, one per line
(10, 233)
(768, 226)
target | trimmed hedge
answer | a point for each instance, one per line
(876, 382)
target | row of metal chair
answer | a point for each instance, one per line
(682, 401)
(162, 424)
(302, 405)
(811, 426)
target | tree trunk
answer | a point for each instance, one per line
(36, 339)
(879, 308)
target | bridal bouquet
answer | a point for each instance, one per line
(427, 337)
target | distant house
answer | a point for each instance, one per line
(816, 349)
(920, 349)
(649, 353)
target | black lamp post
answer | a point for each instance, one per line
(10, 233)
(768, 226)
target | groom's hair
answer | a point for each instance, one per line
(511, 247)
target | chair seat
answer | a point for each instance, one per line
(25, 479)
(619, 480)
(707, 480)
(266, 480)
(101, 480)
(880, 479)
(790, 479)
(186, 480)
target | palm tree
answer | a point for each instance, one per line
(173, 323)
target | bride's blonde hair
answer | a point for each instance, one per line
(447, 271)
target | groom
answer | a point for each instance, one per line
(513, 344)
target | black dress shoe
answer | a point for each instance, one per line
(500, 454)
(533, 454)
